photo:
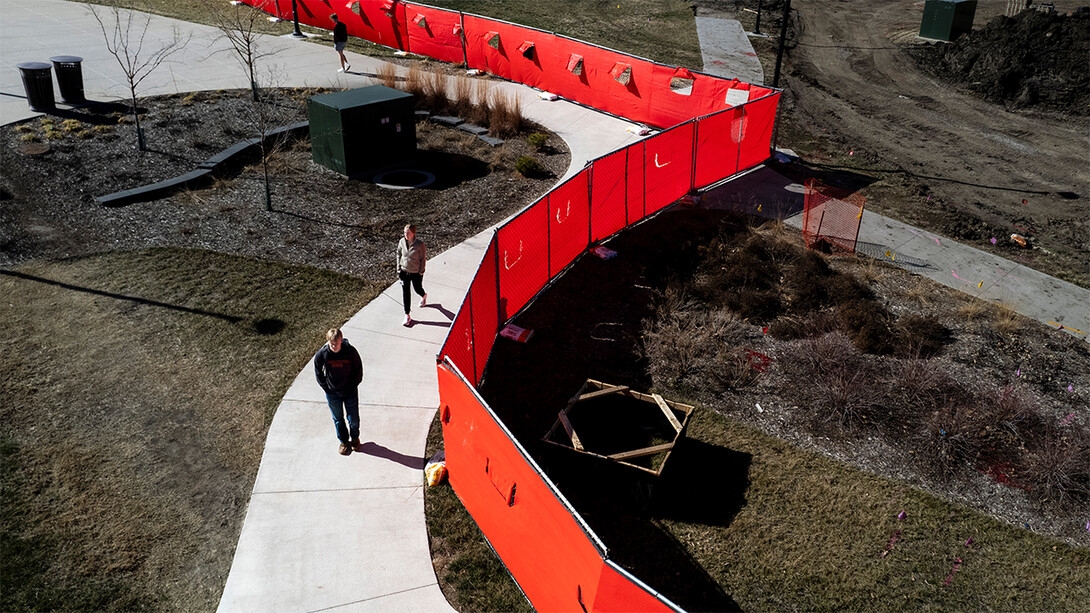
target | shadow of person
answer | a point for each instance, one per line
(372, 448)
(440, 324)
(439, 307)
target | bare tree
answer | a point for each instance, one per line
(238, 25)
(125, 31)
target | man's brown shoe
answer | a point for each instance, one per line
(344, 449)
(355, 444)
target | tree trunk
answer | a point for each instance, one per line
(136, 114)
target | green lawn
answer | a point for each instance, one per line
(137, 392)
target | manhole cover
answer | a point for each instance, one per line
(35, 149)
(404, 179)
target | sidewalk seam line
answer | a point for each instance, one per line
(337, 606)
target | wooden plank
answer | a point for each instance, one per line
(571, 431)
(666, 410)
(639, 453)
(603, 392)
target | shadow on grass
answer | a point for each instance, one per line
(700, 483)
(174, 307)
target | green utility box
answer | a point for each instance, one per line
(358, 130)
(947, 19)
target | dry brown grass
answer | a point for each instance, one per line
(435, 92)
(416, 82)
(504, 113)
(1005, 319)
(973, 310)
(386, 74)
(462, 102)
(478, 112)
(920, 291)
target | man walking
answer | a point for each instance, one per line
(340, 39)
(339, 371)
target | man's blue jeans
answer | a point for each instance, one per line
(342, 404)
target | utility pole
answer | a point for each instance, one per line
(295, 19)
(783, 36)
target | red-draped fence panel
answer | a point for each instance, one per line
(568, 221)
(609, 191)
(758, 118)
(538, 536)
(523, 258)
(668, 165)
(435, 33)
(483, 293)
(716, 147)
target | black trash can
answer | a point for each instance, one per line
(69, 78)
(38, 84)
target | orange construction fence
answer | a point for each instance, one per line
(618, 83)
(831, 217)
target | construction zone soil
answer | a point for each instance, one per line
(975, 139)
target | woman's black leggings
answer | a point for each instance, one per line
(407, 279)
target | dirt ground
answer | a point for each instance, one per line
(923, 150)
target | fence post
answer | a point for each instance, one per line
(499, 301)
(692, 162)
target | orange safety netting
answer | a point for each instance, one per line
(831, 217)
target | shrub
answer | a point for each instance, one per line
(835, 383)
(504, 113)
(922, 337)
(462, 104)
(23, 128)
(415, 84)
(85, 134)
(435, 92)
(386, 75)
(529, 167)
(30, 138)
(1059, 466)
(868, 324)
(537, 140)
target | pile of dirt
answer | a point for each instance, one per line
(1032, 60)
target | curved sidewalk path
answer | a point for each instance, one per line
(326, 532)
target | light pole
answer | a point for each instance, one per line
(757, 26)
(783, 35)
(295, 19)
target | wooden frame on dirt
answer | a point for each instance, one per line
(676, 413)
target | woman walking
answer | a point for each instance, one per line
(411, 260)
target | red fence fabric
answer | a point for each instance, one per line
(609, 212)
(716, 150)
(759, 117)
(568, 222)
(486, 322)
(831, 217)
(435, 33)
(618, 594)
(523, 258)
(668, 165)
(540, 541)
